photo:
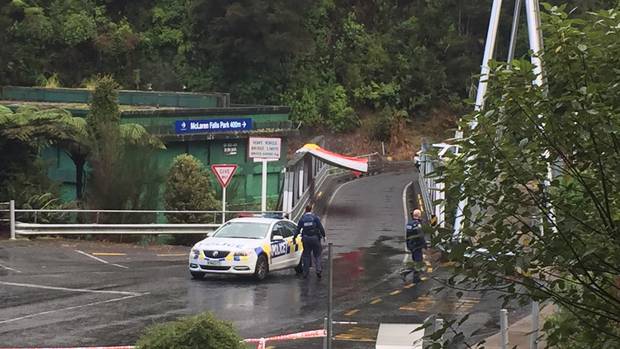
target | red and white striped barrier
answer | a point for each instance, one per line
(262, 342)
(117, 347)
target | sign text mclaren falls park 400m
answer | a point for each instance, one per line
(212, 125)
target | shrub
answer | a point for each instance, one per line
(202, 331)
(188, 188)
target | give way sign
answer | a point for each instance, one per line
(224, 173)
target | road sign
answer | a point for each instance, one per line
(212, 125)
(264, 148)
(224, 173)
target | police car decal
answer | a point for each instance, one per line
(279, 248)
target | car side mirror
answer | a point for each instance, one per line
(277, 237)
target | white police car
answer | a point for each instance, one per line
(246, 246)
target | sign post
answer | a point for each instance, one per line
(264, 150)
(224, 174)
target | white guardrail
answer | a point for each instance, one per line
(17, 227)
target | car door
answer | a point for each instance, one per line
(280, 247)
(296, 246)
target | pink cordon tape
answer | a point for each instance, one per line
(117, 347)
(262, 342)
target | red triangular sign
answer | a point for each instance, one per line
(224, 173)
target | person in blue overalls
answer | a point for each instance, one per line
(415, 244)
(311, 231)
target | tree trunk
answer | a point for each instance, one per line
(79, 177)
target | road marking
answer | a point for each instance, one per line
(394, 293)
(376, 300)
(449, 305)
(103, 254)
(100, 260)
(409, 286)
(420, 203)
(83, 290)
(171, 254)
(351, 312)
(9, 268)
(69, 308)
(358, 334)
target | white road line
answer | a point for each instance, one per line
(69, 308)
(9, 268)
(406, 218)
(83, 290)
(100, 260)
(329, 203)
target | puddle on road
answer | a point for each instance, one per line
(357, 271)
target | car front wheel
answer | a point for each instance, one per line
(262, 268)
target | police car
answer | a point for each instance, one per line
(247, 246)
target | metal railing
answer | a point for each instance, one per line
(432, 190)
(85, 221)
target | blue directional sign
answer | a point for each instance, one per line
(212, 125)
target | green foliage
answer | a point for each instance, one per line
(384, 123)
(188, 188)
(407, 56)
(570, 126)
(51, 82)
(200, 331)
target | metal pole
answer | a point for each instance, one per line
(325, 328)
(514, 31)
(489, 50)
(503, 324)
(223, 205)
(330, 295)
(12, 218)
(532, 9)
(264, 188)
(535, 325)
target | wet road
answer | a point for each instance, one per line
(47, 295)
(54, 293)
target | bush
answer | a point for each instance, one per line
(202, 331)
(188, 189)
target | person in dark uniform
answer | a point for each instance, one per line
(415, 244)
(311, 231)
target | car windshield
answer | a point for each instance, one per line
(242, 230)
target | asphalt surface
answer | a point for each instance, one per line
(54, 293)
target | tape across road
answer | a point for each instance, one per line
(261, 341)
(117, 347)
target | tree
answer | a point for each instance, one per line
(200, 331)
(188, 189)
(529, 237)
(112, 154)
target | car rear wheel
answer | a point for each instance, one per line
(262, 268)
(197, 275)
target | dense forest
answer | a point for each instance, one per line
(327, 59)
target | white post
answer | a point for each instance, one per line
(223, 205)
(12, 218)
(535, 325)
(264, 186)
(489, 49)
(503, 324)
